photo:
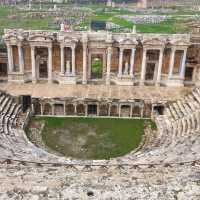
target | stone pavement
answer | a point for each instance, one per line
(96, 91)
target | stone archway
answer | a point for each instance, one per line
(47, 109)
(80, 108)
(59, 109)
(70, 109)
(159, 109)
(125, 111)
(42, 63)
(96, 66)
(103, 110)
(152, 65)
(92, 109)
(37, 108)
(136, 111)
(3, 70)
(114, 110)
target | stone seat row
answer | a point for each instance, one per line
(184, 106)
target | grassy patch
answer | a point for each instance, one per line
(91, 138)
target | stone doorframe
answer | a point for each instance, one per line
(94, 52)
(155, 70)
(38, 60)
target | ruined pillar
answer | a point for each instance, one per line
(34, 79)
(171, 65)
(132, 62)
(73, 61)
(62, 60)
(84, 81)
(86, 110)
(109, 57)
(182, 70)
(50, 73)
(160, 63)
(120, 62)
(109, 109)
(119, 109)
(143, 70)
(131, 111)
(10, 58)
(21, 58)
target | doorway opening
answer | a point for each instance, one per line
(97, 66)
(150, 71)
(92, 109)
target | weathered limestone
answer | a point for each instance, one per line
(182, 70)
(34, 79)
(10, 58)
(160, 67)
(143, 71)
(109, 57)
(120, 62)
(73, 61)
(21, 58)
(84, 81)
(50, 78)
(132, 62)
(62, 70)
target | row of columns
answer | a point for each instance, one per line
(109, 60)
(160, 63)
(119, 109)
(172, 61)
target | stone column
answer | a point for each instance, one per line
(119, 110)
(143, 70)
(132, 62)
(50, 73)
(171, 65)
(109, 109)
(75, 109)
(34, 79)
(120, 62)
(21, 58)
(109, 60)
(62, 60)
(42, 109)
(182, 71)
(10, 59)
(73, 61)
(86, 110)
(160, 63)
(84, 81)
(131, 111)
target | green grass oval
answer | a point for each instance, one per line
(92, 138)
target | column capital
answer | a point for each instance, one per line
(62, 46)
(109, 50)
(121, 49)
(85, 46)
(133, 48)
(19, 44)
(8, 45)
(162, 49)
(50, 47)
(145, 49)
(32, 47)
(173, 48)
(73, 47)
